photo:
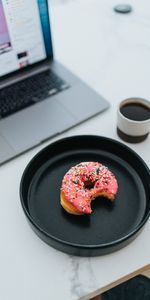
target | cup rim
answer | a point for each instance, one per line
(133, 100)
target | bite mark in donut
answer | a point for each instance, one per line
(85, 182)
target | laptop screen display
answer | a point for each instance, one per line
(25, 37)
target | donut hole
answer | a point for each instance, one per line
(89, 185)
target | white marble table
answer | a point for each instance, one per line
(112, 54)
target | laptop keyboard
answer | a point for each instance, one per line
(30, 91)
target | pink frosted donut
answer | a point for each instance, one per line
(83, 183)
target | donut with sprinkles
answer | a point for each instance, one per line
(85, 182)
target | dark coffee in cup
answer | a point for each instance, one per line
(133, 120)
(135, 111)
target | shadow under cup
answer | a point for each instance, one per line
(133, 120)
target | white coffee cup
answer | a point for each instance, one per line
(133, 119)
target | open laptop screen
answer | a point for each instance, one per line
(25, 37)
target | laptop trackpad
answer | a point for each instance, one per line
(31, 126)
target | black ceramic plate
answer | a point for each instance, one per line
(111, 226)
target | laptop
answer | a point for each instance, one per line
(39, 97)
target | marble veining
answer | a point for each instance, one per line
(81, 271)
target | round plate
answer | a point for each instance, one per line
(111, 226)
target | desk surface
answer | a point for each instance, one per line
(111, 52)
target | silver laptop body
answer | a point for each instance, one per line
(24, 54)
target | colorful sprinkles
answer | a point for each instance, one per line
(85, 181)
